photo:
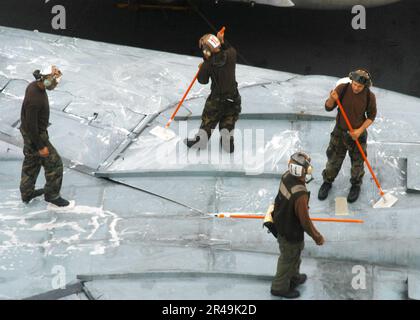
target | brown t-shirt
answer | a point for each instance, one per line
(355, 106)
(35, 114)
(302, 212)
(221, 69)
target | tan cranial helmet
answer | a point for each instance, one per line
(209, 44)
(50, 77)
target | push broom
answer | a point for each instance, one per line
(262, 216)
(165, 133)
(268, 218)
(387, 200)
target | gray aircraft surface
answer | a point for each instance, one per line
(144, 227)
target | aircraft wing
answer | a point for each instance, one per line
(145, 207)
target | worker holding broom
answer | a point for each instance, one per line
(223, 105)
(359, 104)
(290, 219)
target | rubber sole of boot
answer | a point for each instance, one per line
(292, 294)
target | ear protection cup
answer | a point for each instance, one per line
(47, 82)
(370, 77)
(50, 82)
(206, 51)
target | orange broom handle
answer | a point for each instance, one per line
(256, 216)
(337, 220)
(182, 100)
(222, 31)
(360, 147)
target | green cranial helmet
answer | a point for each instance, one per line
(361, 76)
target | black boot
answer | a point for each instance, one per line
(227, 144)
(298, 280)
(323, 191)
(291, 294)
(193, 143)
(36, 193)
(59, 202)
(353, 194)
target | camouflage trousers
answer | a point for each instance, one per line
(53, 168)
(288, 264)
(224, 112)
(341, 143)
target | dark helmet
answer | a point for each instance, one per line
(361, 76)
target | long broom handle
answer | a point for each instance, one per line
(222, 31)
(182, 100)
(256, 216)
(360, 147)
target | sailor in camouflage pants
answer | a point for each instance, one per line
(224, 112)
(53, 167)
(340, 143)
